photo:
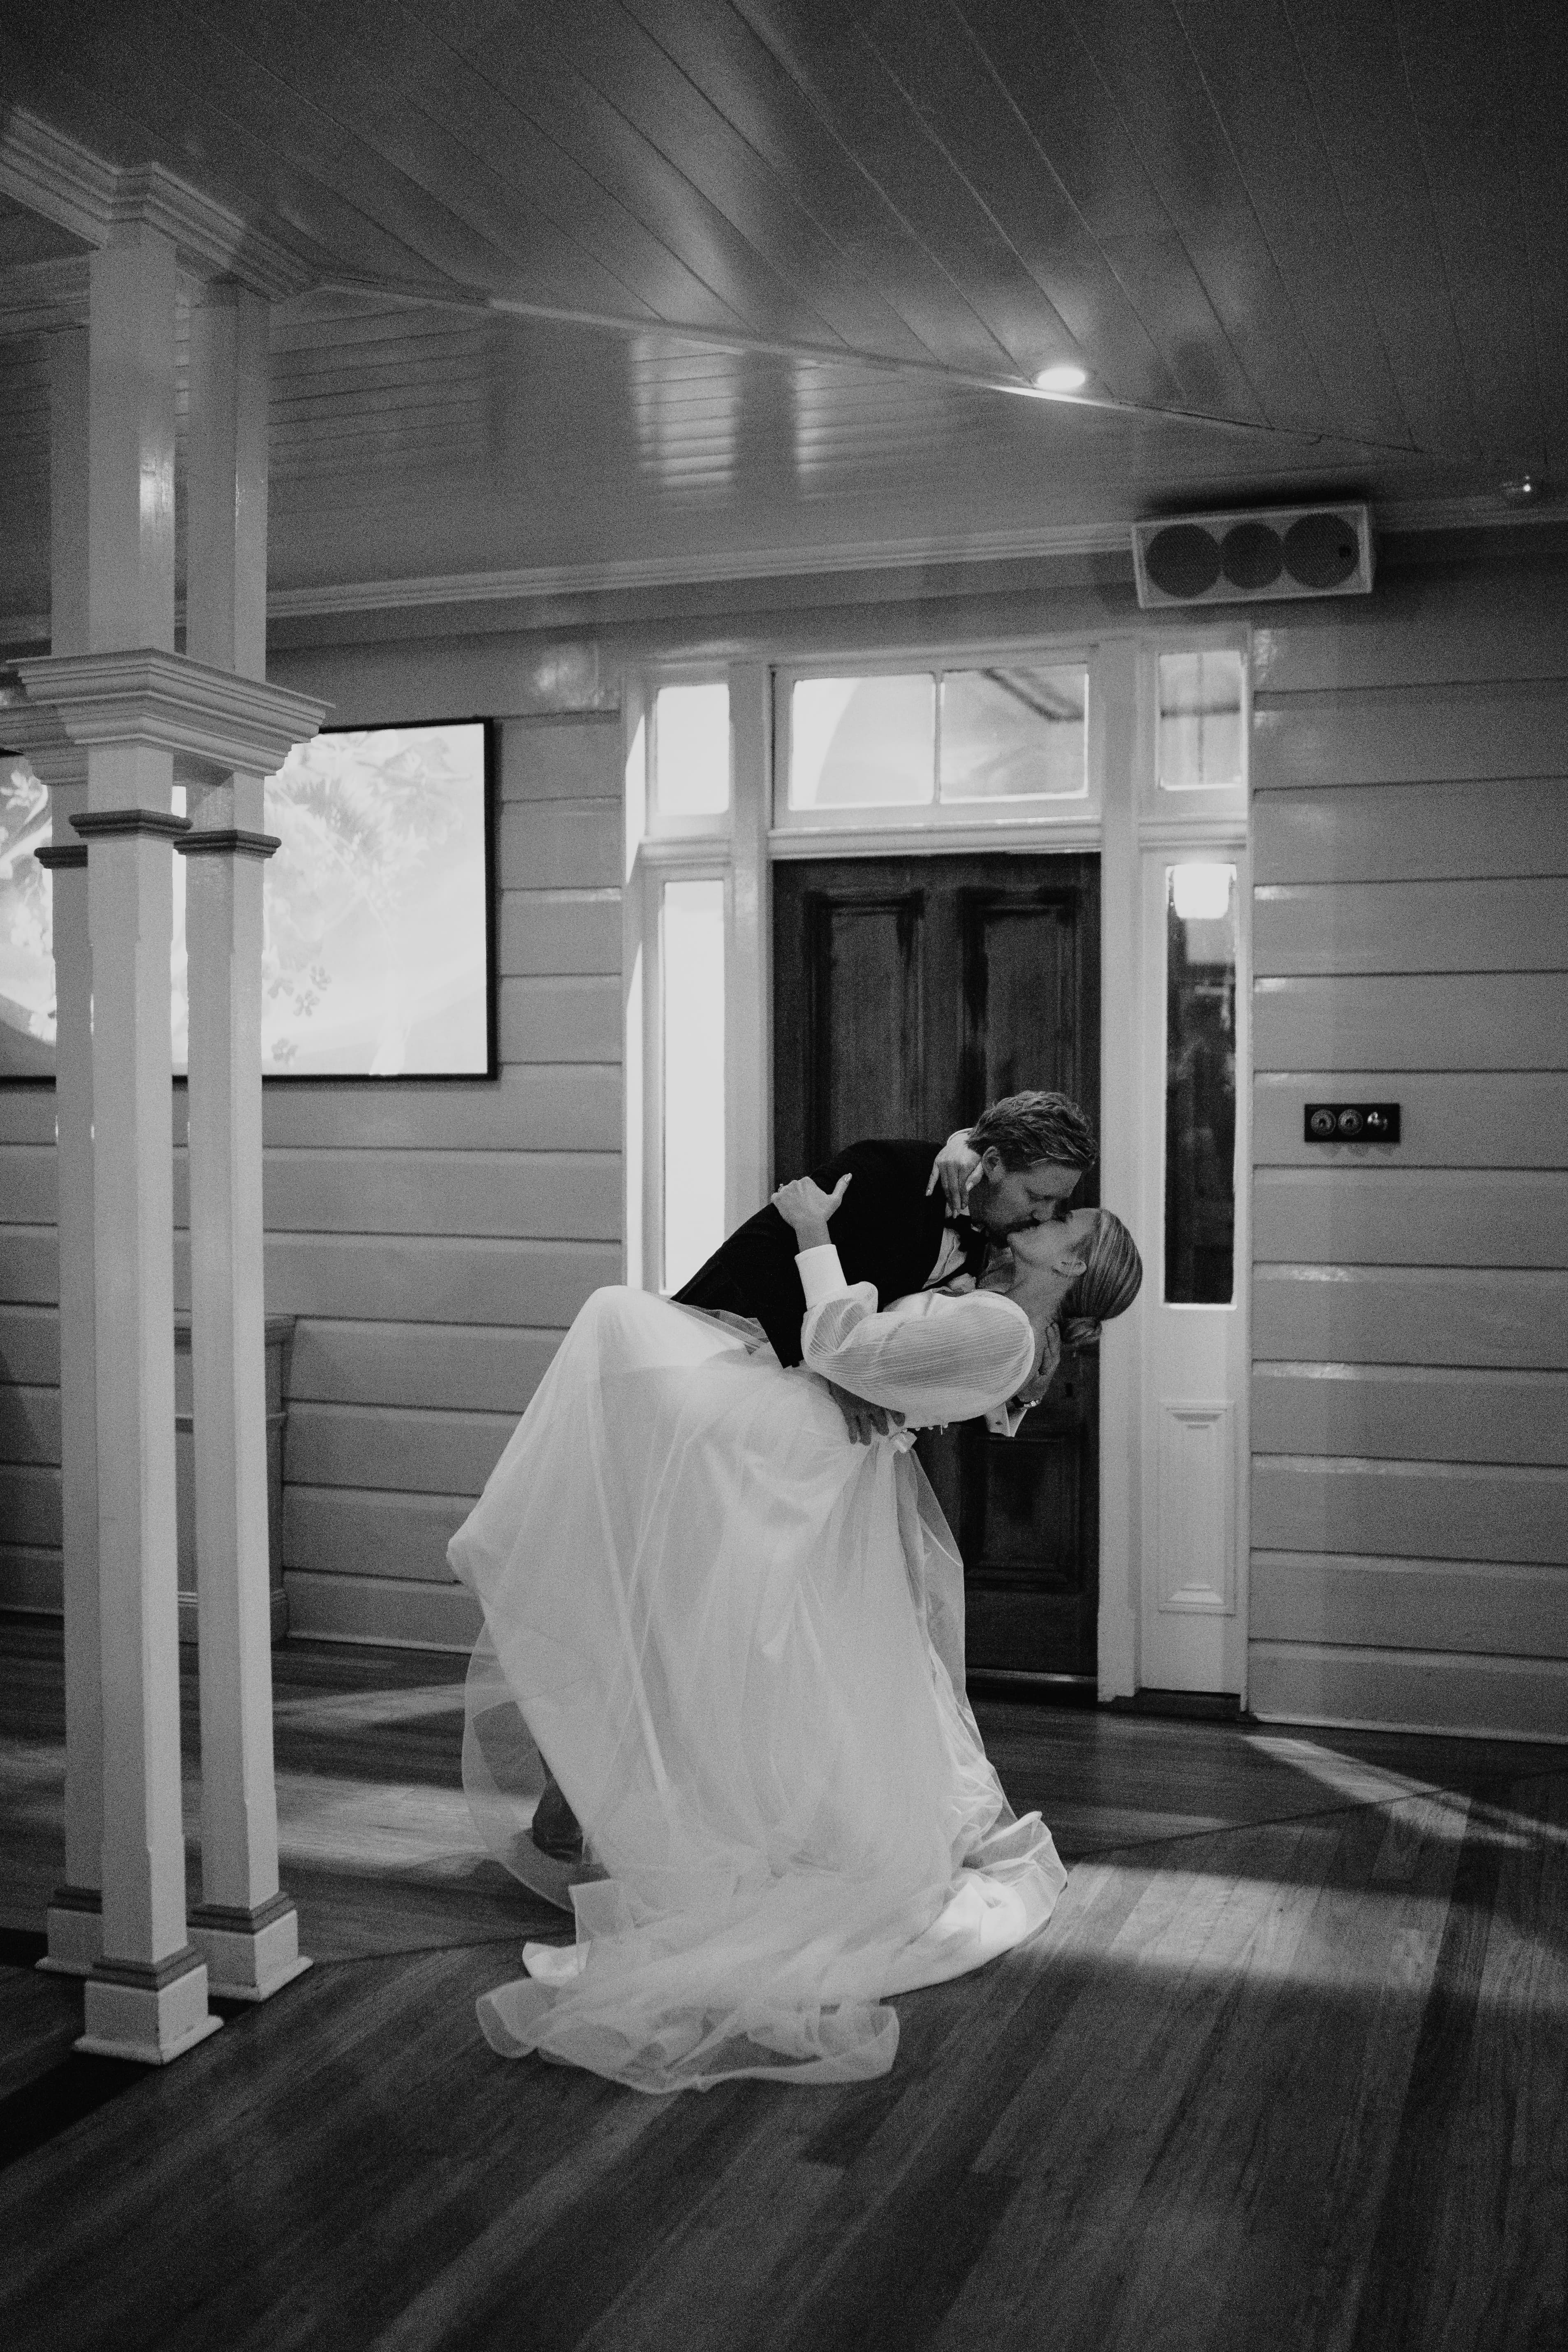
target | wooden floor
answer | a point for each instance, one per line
(1289, 2068)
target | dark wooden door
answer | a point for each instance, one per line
(907, 993)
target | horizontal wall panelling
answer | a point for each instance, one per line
(1427, 1510)
(362, 1532)
(1477, 1118)
(1410, 1412)
(1384, 1215)
(1507, 1610)
(1416, 1315)
(1444, 1020)
(463, 1367)
(1474, 731)
(393, 1448)
(1411, 832)
(560, 931)
(1519, 924)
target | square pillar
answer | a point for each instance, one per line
(146, 1997)
(74, 1921)
(245, 1929)
(74, 1917)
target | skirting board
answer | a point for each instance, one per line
(393, 1612)
(1409, 1690)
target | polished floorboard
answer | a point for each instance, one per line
(1289, 2068)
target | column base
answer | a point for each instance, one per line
(149, 2013)
(74, 1922)
(250, 1955)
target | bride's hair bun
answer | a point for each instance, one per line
(1081, 1331)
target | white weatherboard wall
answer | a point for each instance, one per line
(433, 1240)
(1410, 1303)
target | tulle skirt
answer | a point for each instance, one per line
(737, 1637)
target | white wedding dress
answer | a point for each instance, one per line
(738, 1637)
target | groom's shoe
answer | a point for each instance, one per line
(555, 1829)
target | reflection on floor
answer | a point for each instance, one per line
(1288, 2067)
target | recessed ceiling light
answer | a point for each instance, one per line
(1063, 377)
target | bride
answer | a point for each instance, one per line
(738, 1638)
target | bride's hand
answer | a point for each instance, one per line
(805, 1208)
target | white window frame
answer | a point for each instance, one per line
(1134, 825)
(1193, 1361)
(960, 824)
(729, 846)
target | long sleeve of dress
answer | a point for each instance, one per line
(935, 1359)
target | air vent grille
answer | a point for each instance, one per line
(1258, 554)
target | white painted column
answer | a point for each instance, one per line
(74, 1917)
(245, 1927)
(147, 1995)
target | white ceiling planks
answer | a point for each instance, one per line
(635, 275)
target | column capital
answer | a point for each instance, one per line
(213, 721)
(112, 823)
(35, 731)
(229, 840)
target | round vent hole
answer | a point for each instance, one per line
(1183, 561)
(1320, 550)
(1252, 555)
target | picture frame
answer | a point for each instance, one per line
(379, 955)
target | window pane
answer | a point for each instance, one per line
(691, 749)
(1012, 732)
(862, 742)
(693, 964)
(1200, 721)
(1200, 1084)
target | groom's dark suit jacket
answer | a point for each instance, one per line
(886, 1230)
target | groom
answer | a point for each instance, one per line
(900, 1225)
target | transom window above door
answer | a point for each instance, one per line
(998, 741)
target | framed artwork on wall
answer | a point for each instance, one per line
(378, 960)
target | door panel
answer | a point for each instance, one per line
(864, 957)
(909, 993)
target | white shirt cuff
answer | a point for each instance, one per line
(821, 1275)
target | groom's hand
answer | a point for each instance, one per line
(863, 1421)
(1034, 1387)
(957, 1169)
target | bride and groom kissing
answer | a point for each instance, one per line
(738, 1637)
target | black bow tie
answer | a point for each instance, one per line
(973, 1239)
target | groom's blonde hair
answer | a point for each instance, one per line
(1028, 1128)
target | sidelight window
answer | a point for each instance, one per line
(1200, 1084)
(691, 1023)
